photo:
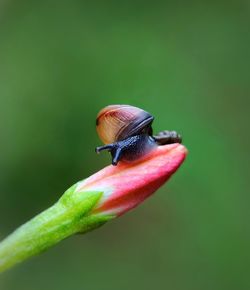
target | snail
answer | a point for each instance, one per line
(127, 133)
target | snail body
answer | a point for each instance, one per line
(127, 133)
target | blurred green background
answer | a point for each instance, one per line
(185, 62)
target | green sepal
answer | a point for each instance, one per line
(94, 221)
(85, 201)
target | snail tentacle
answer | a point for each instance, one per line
(108, 147)
(114, 149)
(116, 155)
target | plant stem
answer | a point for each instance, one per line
(70, 215)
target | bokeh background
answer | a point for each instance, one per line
(187, 62)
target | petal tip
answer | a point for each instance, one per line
(181, 148)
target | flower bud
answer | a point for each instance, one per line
(125, 186)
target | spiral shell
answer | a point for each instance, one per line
(118, 122)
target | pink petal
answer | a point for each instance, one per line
(128, 184)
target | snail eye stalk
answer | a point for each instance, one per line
(115, 150)
(108, 147)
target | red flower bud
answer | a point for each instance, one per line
(125, 186)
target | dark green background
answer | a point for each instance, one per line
(185, 62)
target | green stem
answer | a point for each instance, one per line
(70, 215)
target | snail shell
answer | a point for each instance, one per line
(118, 122)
